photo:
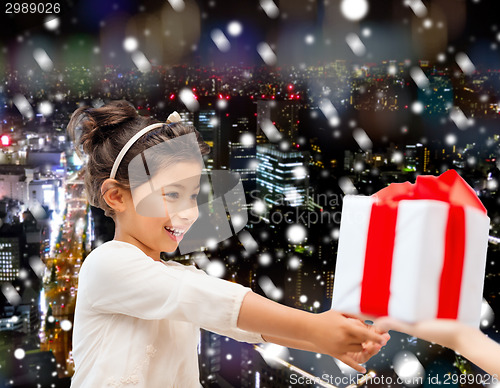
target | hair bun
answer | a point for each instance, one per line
(90, 127)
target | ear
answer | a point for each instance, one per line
(114, 195)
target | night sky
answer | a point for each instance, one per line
(471, 27)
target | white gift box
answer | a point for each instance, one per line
(414, 287)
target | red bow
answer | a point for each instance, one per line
(450, 188)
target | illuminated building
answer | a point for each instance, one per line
(47, 192)
(24, 317)
(416, 158)
(13, 182)
(208, 125)
(242, 154)
(10, 259)
(209, 350)
(283, 114)
(282, 176)
(48, 161)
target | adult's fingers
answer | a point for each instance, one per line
(387, 323)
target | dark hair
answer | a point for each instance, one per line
(101, 133)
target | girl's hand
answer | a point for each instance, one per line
(370, 348)
(347, 339)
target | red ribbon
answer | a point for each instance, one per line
(448, 187)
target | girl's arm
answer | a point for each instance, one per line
(470, 342)
(328, 333)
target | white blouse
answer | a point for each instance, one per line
(137, 320)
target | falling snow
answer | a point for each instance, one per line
(355, 44)
(270, 8)
(354, 10)
(130, 44)
(188, 99)
(141, 61)
(42, 58)
(234, 28)
(216, 268)
(296, 233)
(465, 63)
(220, 40)
(267, 54)
(362, 139)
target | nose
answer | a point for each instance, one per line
(188, 213)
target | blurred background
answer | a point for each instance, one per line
(308, 100)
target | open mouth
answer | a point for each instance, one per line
(175, 233)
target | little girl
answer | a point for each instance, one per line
(137, 318)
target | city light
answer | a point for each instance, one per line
(5, 140)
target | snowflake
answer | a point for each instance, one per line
(296, 233)
(130, 44)
(141, 61)
(362, 139)
(354, 10)
(43, 59)
(419, 77)
(52, 23)
(265, 259)
(220, 40)
(417, 107)
(270, 8)
(347, 186)
(19, 353)
(309, 39)
(464, 62)
(45, 108)
(177, 5)
(216, 268)
(188, 98)
(267, 54)
(450, 139)
(355, 44)
(294, 262)
(66, 325)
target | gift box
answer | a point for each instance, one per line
(413, 251)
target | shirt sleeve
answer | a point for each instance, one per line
(232, 331)
(126, 281)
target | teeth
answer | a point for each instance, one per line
(174, 231)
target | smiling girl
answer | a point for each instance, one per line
(137, 318)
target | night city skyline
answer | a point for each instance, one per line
(324, 109)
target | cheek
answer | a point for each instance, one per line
(149, 224)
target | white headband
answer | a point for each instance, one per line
(173, 118)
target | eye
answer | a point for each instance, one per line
(194, 196)
(171, 195)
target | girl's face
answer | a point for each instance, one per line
(164, 208)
